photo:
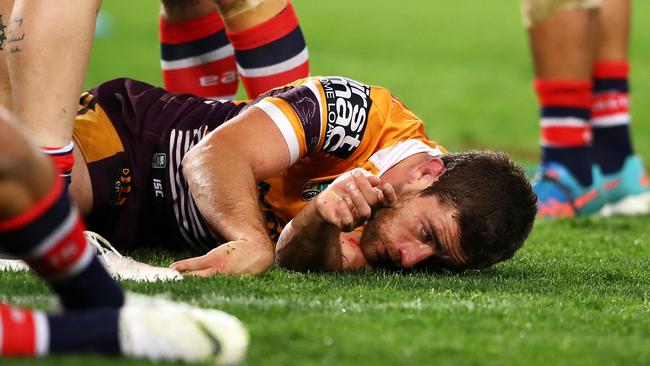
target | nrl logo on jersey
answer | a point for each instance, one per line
(310, 189)
(159, 161)
(348, 107)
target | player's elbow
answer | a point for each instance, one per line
(197, 157)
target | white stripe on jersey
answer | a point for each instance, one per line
(194, 230)
(283, 66)
(215, 55)
(618, 119)
(194, 219)
(563, 122)
(283, 124)
(180, 200)
(385, 159)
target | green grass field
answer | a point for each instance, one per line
(577, 293)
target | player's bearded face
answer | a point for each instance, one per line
(377, 240)
(418, 231)
(374, 238)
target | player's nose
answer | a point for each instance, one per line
(413, 253)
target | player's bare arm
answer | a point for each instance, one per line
(318, 238)
(222, 172)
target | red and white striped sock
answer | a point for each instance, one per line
(30, 333)
(271, 54)
(565, 128)
(23, 332)
(610, 115)
(63, 159)
(197, 57)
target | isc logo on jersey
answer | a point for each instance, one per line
(348, 107)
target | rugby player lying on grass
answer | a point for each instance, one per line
(180, 170)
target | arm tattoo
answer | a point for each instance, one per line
(16, 36)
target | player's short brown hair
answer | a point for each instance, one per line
(495, 202)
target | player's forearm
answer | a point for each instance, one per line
(309, 243)
(224, 189)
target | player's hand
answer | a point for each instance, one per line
(235, 257)
(350, 203)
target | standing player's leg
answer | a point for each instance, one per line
(626, 184)
(5, 85)
(563, 45)
(39, 224)
(196, 56)
(145, 328)
(269, 45)
(47, 47)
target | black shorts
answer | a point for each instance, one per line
(133, 137)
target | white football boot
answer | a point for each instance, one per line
(119, 266)
(126, 268)
(159, 329)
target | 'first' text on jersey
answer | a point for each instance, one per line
(348, 107)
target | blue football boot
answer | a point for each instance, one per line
(560, 195)
(627, 191)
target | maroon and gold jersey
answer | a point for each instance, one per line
(133, 137)
(332, 125)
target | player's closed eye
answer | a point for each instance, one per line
(427, 237)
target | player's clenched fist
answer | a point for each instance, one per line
(349, 202)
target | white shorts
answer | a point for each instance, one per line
(534, 11)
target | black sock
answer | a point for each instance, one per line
(93, 331)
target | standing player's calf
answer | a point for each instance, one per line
(39, 224)
(207, 44)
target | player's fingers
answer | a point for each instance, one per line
(390, 197)
(380, 195)
(367, 190)
(363, 184)
(190, 264)
(360, 203)
(373, 180)
(207, 272)
(359, 172)
(346, 218)
(353, 210)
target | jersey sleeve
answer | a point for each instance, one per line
(327, 115)
(297, 112)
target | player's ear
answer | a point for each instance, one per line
(425, 173)
(431, 169)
